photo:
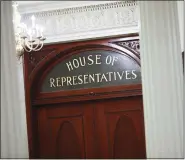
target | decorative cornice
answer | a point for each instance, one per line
(73, 10)
(86, 22)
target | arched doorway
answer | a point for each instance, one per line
(84, 100)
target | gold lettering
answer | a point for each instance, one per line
(85, 78)
(69, 65)
(98, 76)
(103, 77)
(52, 80)
(81, 81)
(77, 63)
(115, 76)
(74, 78)
(120, 76)
(63, 79)
(109, 73)
(90, 60)
(114, 59)
(98, 58)
(91, 77)
(58, 80)
(84, 62)
(69, 80)
(108, 59)
(127, 73)
(135, 75)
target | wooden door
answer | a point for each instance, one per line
(111, 128)
(63, 83)
(66, 131)
(120, 128)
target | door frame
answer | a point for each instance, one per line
(35, 63)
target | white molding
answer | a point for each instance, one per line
(40, 6)
(85, 22)
(162, 79)
(57, 9)
(180, 7)
(91, 35)
(14, 140)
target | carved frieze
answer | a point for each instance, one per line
(79, 22)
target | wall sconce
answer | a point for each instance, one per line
(27, 38)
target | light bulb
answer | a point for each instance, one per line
(33, 20)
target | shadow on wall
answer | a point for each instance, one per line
(183, 60)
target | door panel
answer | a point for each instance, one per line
(120, 128)
(111, 128)
(67, 129)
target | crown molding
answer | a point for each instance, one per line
(88, 35)
(82, 8)
(86, 22)
(40, 6)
